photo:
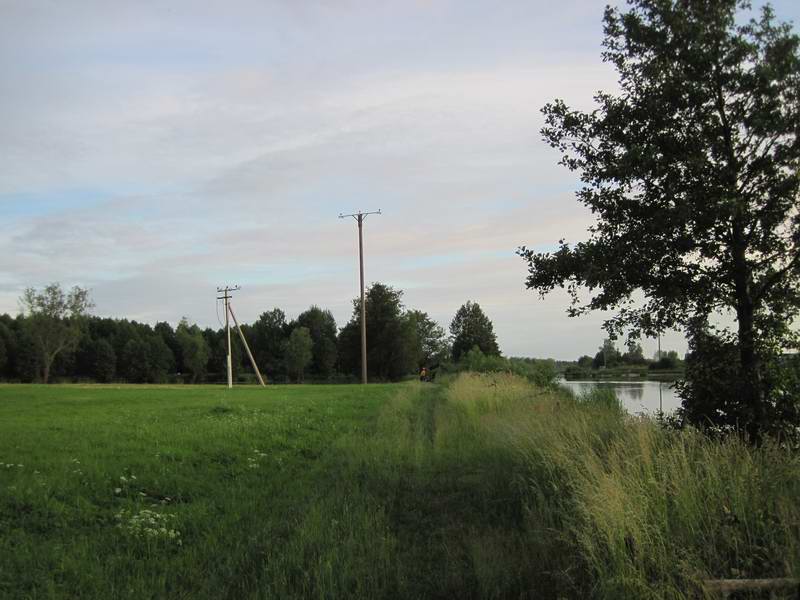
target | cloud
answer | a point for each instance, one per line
(153, 151)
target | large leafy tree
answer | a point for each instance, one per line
(607, 356)
(299, 352)
(322, 327)
(147, 359)
(54, 319)
(194, 349)
(390, 336)
(270, 334)
(430, 342)
(9, 342)
(3, 355)
(692, 172)
(105, 361)
(170, 338)
(95, 359)
(471, 327)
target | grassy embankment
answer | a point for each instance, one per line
(485, 488)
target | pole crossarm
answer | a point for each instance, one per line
(226, 292)
(360, 216)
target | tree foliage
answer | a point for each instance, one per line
(607, 356)
(299, 352)
(104, 361)
(634, 355)
(390, 336)
(692, 172)
(471, 327)
(270, 332)
(54, 321)
(3, 355)
(194, 350)
(122, 350)
(430, 342)
(322, 327)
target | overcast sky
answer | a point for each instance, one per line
(154, 150)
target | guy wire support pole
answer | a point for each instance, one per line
(360, 217)
(227, 298)
(246, 347)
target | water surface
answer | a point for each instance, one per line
(636, 396)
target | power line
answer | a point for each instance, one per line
(216, 307)
(360, 217)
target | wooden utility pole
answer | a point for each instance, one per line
(360, 217)
(226, 297)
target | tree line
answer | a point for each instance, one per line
(609, 356)
(56, 338)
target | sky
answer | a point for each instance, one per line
(152, 151)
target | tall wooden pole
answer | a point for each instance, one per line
(363, 301)
(226, 296)
(360, 217)
(228, 334)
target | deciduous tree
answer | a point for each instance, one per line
(105, 361)
(270, 335)
(430, 341)
(471, 327)
(299, 352)
(193, 349)
(390, 337)
(53, 319)
(322, 327)
(691, 170)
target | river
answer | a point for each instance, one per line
(636, 396)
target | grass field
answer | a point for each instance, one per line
(485, 487)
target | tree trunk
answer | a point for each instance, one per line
(750, 368)
(46, 370)
(751, 372)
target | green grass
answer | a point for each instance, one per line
(192, 451)
(483, 487)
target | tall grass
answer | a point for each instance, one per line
(618, 507)
(489, 487)
(485, 486)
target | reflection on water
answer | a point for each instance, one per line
(636, 396)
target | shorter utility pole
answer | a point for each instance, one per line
(360, 217)
(226, 297)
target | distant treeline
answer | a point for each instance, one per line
(609, 356)
(55, 339)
